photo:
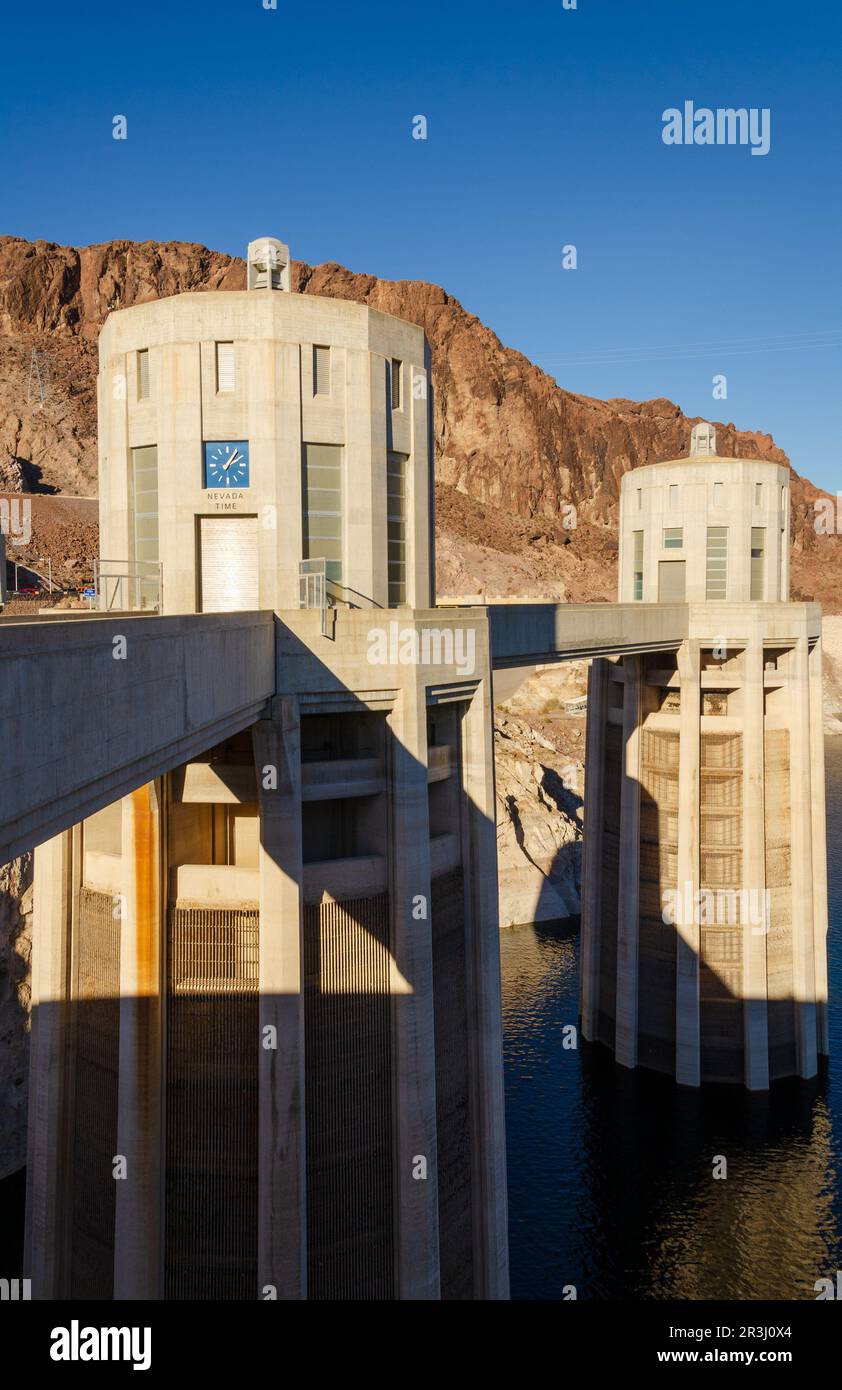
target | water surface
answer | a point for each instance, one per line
(610, 1172)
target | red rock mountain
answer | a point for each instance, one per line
(513, 449)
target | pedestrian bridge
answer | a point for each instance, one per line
(92, 707)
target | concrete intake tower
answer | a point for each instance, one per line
(704, 902)
(266, 1052)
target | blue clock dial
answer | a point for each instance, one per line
(227, 463)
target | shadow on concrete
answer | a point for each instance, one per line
(211, 1058)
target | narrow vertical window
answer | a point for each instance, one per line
(225, 367)
(396, 467)
(321, 371)
(758, 494)
(637, 537)
(395, 383)
(673, 494)
(640, 499)
(143, 375)
(322, 520)
(758, 552)
(718, 494)
(717, 562)
(145, 501)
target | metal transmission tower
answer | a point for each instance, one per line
(39, 379)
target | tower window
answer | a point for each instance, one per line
(225, 367)
(145, 499)
(758, 551)
(718, 494)
(395, 383)
(717, 562)
(637, 591)
(673, 494)
(396, 524)
(758, 494)
(322, 520)
(673, 537)
(143, 375)
(321, 371)
(640, 499)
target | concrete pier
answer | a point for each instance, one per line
(708, 762)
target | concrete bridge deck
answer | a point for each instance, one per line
(83, 724)
(529, 634)
(91, 709)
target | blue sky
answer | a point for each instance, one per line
(544, 129)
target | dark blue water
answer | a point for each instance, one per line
(610, 1173)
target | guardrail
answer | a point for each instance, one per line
(129, 585)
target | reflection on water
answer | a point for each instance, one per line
(611, 1184)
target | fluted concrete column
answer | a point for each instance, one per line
(754, 933)
(592, 847)
(138, 1219)
(688, 934)
(819, 830)
(491, 1240)
(413, 1015)
(282, 1213)
(625, 1047)
(803, 938)
(48, 1069)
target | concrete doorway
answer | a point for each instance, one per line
(228, 570)
(671, 581)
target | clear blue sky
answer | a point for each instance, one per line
(544, 129)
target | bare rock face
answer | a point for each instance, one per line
(539, 768)
(15, 950)
(832, 674)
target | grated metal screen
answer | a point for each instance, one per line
(348, 1079)
(96, 1050)
(212, 1103)
(453, 1110)
(721, 872)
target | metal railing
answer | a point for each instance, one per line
(129, 585)
(312, 587)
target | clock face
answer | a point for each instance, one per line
(227, 464)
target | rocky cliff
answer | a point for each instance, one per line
(539, 754)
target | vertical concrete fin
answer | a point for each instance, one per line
(688, 935)
(414, 1024)
(629, 894)
(139, 1138)
(755, 935)
(282, 1219)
